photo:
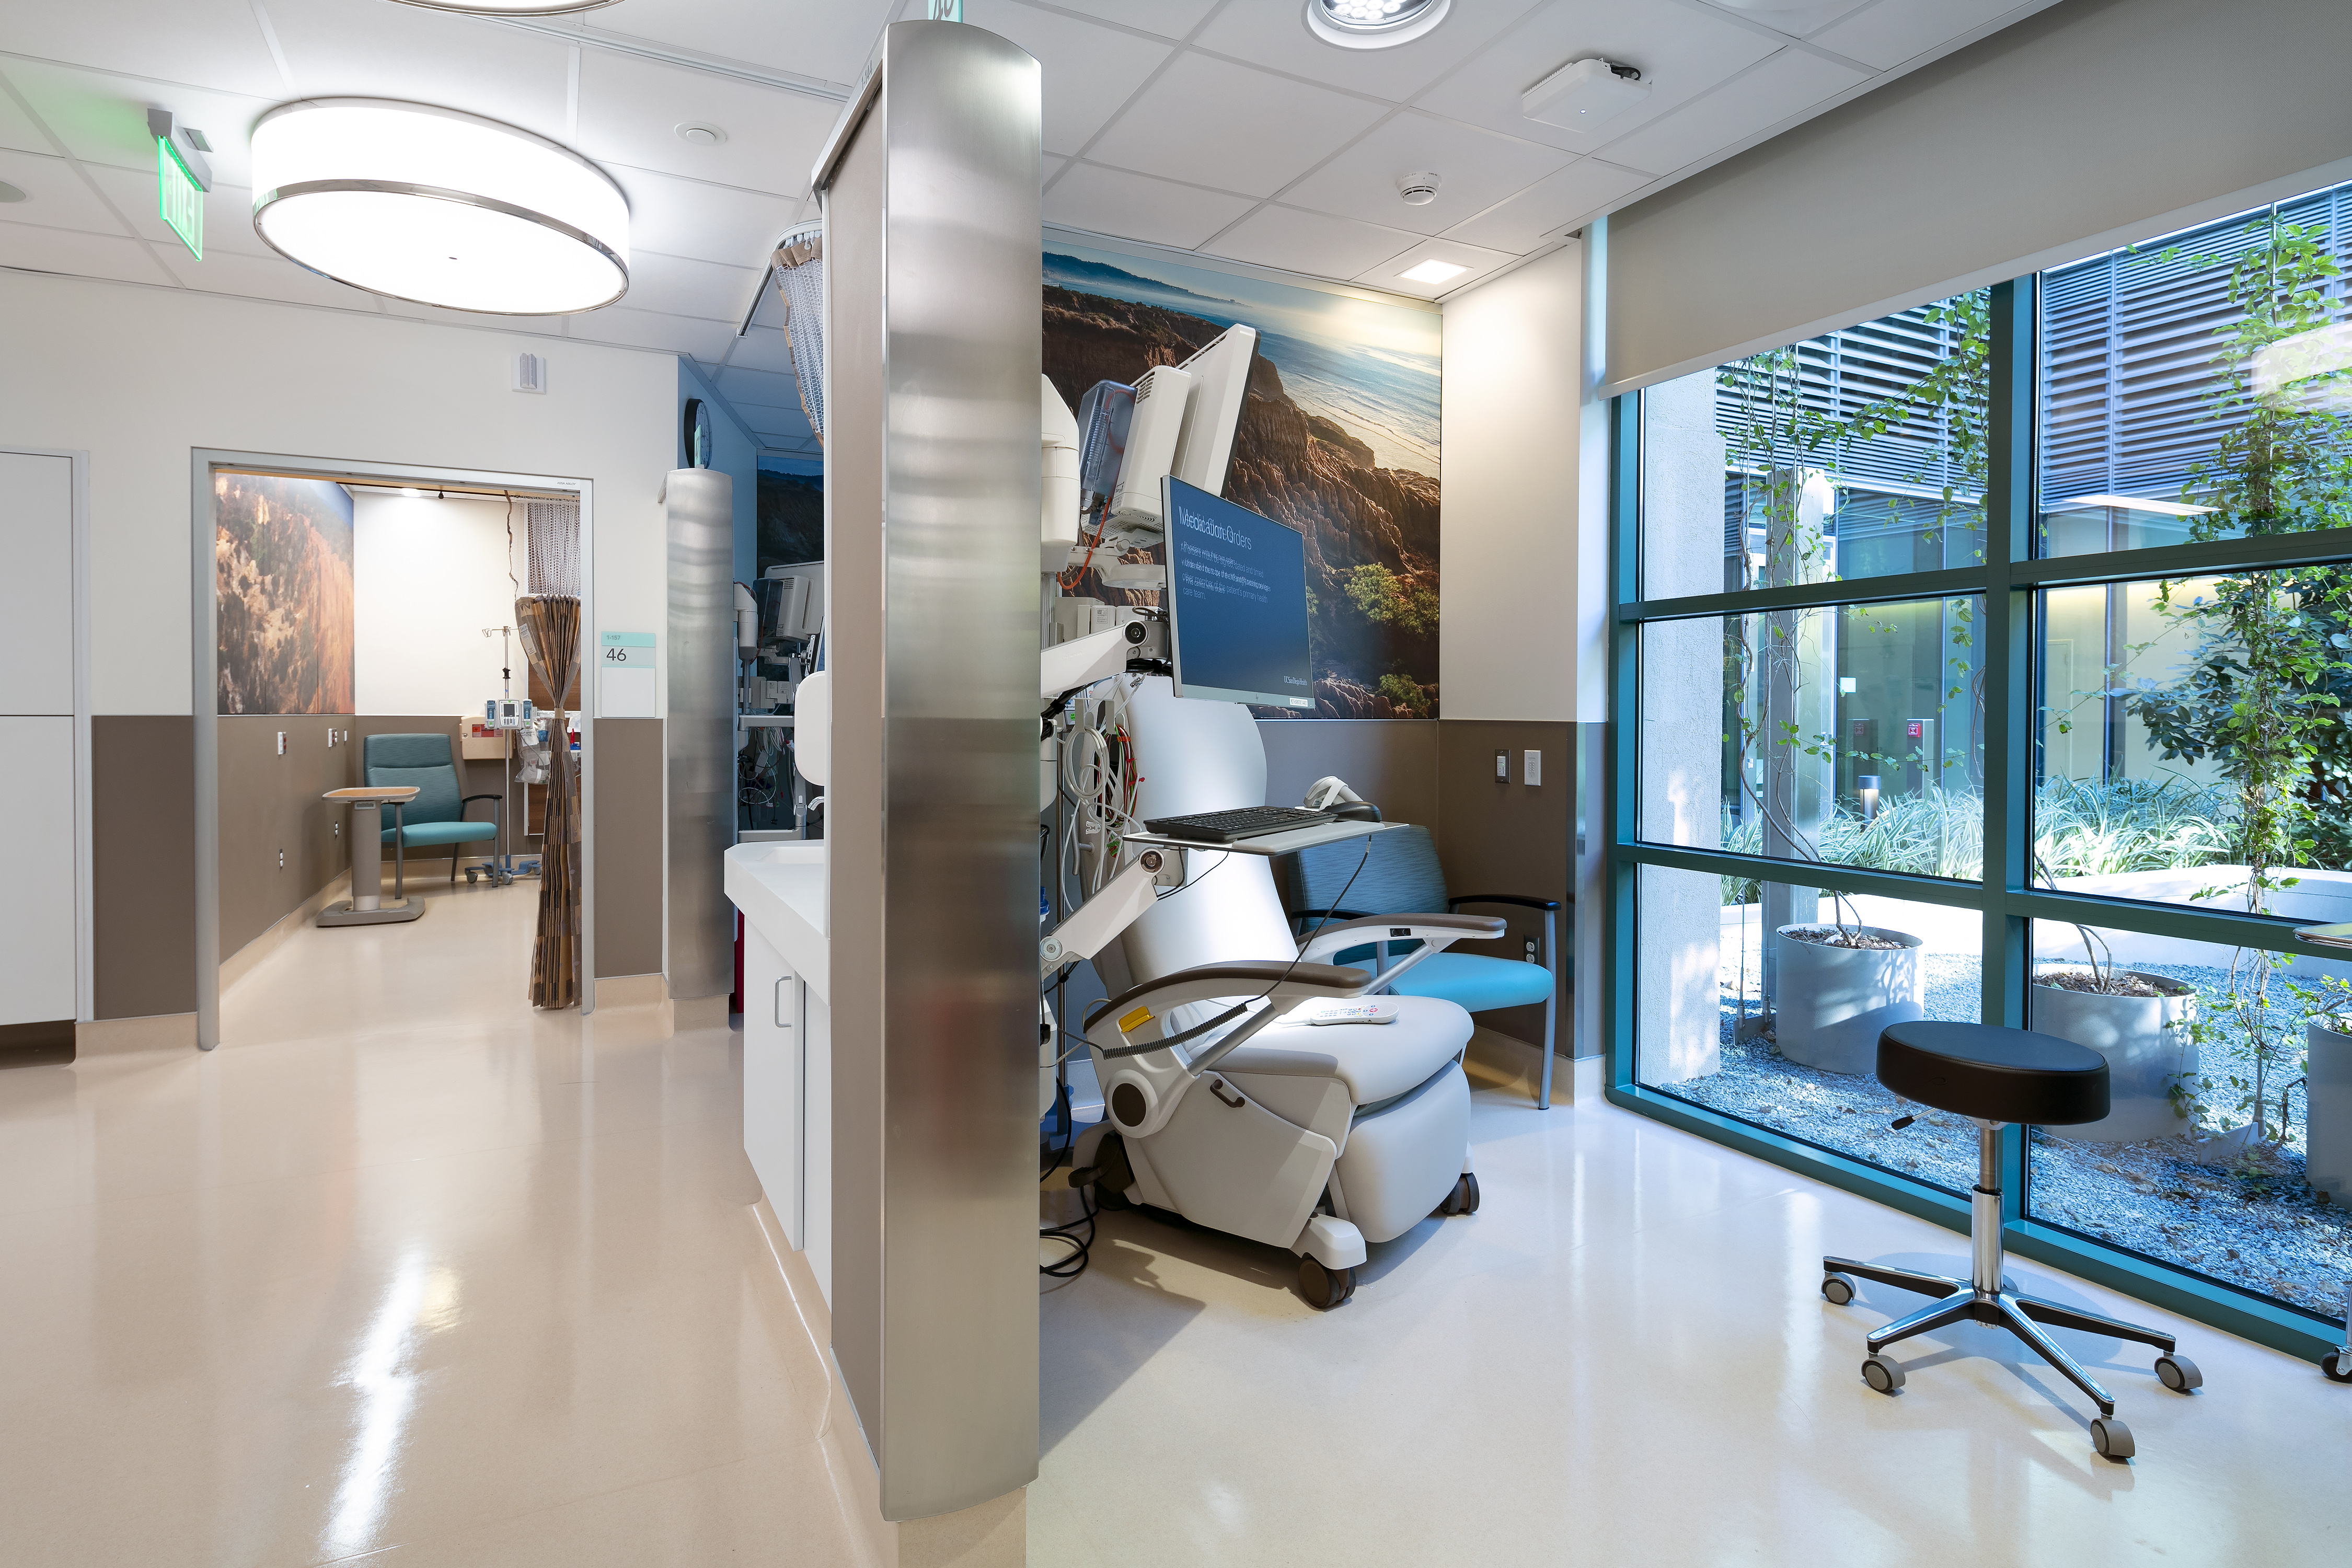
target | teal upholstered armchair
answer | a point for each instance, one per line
(437, 814)
(1401, 876)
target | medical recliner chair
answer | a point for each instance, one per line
(1224, 1100)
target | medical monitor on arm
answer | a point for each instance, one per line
(1236, 602)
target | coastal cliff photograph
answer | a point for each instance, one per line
(1339, 438)
(282, 551)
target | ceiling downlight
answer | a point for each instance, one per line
(1373, 24)
(438, 207)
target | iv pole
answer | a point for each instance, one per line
(502, 867)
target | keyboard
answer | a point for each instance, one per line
(1249, 822)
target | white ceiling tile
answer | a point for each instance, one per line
(1793, 17)
(1788, 83)
(1682, 50)
(1212, 123)
(225, 272)
(1137, 207)
(1312, 243)
(540, 325)
(630, 110)
(228, 210)
(650, 330)
(827, 39)
(1088, 71)
(209, 43)
(1475, 260)
(77, 252)
(1891, 31)
(1273, 33)
(1048, 166)
(102, 118)
(775, 424)
(1553, 202)
(1169, 18)
(57, 198)
(763, 348)
(709, 223)
(1478, 168)
(366, 48)
(677, 286)
(17, 130)
(759, 386)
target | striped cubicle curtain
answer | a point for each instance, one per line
(550, 627)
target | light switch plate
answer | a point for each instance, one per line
(281, 742)
(1531, 768)
(1502, 767)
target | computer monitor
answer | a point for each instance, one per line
(1236, 602)
(1205, 450)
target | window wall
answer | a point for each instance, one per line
(1993, 661)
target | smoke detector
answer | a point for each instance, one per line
(1419, 189)
(1583, 93)
(1373, 24)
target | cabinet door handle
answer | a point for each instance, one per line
(780, 983)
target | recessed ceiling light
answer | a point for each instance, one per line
(1432, 271)
(702, 135)
(512, 7)
(9, 193)
(1373, 24)
(438, 207)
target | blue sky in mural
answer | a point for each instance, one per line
(1373, 368)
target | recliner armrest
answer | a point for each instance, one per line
(1434, 933)
(1515, 899)
(1279, 981)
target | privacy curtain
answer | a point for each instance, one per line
(548, 625)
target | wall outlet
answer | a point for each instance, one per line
(1531, 951)
(281, 742)
(339, 830)
(1531, 767)
(1502, 767)
(281, 860)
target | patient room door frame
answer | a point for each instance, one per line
(204, 686)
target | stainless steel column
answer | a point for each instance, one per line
(699, 936)
(934, 277)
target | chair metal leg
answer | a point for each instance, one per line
(1551, 1007)
(2063, 1316)
(1901, 1278)
(399, 853)
(1933, 1315)
(2013, 1318)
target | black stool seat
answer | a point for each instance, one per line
(2000, 1074)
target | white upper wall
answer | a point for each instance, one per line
(426, 576)
(142, 378)
(1511, 626)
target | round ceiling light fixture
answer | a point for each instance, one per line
(1373, 24)
(438, 207)
(512, 7)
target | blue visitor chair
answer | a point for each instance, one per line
(1402, 876)
(437, 813)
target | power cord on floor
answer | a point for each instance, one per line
(1072, 1264)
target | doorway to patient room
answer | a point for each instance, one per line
(396, 779)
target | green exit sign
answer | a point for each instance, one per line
(179, 199)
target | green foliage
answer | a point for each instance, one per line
(1382, 598)
(1404, 695)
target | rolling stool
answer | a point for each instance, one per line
(1994, 1077)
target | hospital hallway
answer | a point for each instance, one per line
(408, 1274)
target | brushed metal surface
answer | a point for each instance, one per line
(934, 319)
(698, 947)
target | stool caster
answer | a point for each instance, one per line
(2338, 1365)
(1324, 1288)
(2112, 1437)
(2178, 1373)
(1882, 1374)
(1836, 1290)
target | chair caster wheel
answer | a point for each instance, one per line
(470, 877)
(2338, 1365)
(1462, 1199)
(2112, 1437)
(1882, 1374)
(1836, 1290)
(2178, 1373)
(1324, 1288)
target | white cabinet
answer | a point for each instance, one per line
(787, 1099)
(39, 918)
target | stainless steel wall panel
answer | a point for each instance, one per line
(698, 947)
(932, 523)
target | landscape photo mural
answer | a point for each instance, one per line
(282, 558)
(1338, 438)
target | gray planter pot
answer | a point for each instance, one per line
(2328, 1164)
(2146, 1044)
(1830, 1003)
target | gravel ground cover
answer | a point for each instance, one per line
(2246, 1220)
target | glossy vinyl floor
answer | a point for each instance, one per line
(1624, 1358)
(404, 1273)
